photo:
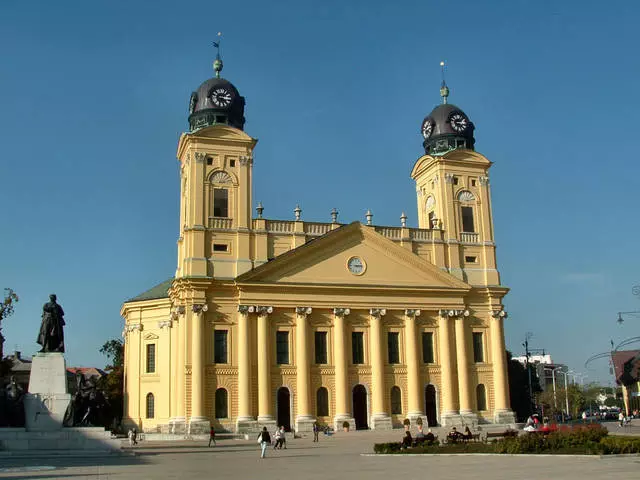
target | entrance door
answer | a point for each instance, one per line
(284, 408)
(360, 407)
(430, 406)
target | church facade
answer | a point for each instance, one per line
(291, 322)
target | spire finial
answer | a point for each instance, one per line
(444, 90)
(217, 64)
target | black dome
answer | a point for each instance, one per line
(446, 128)
(216, 101)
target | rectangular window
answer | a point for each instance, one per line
(357, 347)
(473, 183)
(321, 347)
(220, 202)
(282, 348)
(427, 347)
(220, 247)
(467, 220)
(220, 346)
(469, 259)
(478, 347)
(232, 163)
(151, 358)
(455, 180)
(393, 342)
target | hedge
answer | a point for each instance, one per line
(586, 440)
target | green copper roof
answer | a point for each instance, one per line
(159, 291)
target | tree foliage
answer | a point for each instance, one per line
(519, 387)
(6, 310)
(112, 384)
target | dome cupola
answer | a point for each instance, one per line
(216, 102)
(447, 127)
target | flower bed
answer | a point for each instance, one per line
(580, 440)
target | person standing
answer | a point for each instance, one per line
(212, 436)
(316, 431)
(276, 437)
(283, 438)
(265, 440)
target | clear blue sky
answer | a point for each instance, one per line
(94, 95)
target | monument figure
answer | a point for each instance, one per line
(51, 335)
(12, 403)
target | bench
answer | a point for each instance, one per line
(505, 434)
(417, 442)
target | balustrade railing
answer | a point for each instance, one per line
(466, 237)
(221, 223)
(280, 226)
(316, 229)
(392, 233)
(421, 235)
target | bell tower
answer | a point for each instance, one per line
(216, 162)
(452, 186)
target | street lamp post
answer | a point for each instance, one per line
(553, 376)
(566, 393)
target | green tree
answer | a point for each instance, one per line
(112, 384)
(519, 387)
(6, 310)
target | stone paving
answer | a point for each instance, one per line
(337, 457)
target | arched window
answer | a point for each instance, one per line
(222, 410)
(322, 402)
(481, 397)
(396, 401)
(466, 199)
(151, 405)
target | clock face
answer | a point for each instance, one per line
(221, 97)
(427, 128)
(356, 265)
(192, 102)
(459, 122)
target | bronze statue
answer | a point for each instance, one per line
(51, 335)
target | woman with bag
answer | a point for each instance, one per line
(264, 439)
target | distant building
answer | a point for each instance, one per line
(21, 370)
(543, 367)
(626, 364)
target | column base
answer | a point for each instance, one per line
(198, 426)
(413, 418)
(450, 419)
(469, 419)
(177, 426)
(381, 421)
(246, 424)
(304, 423)
(504, 416)
(267, 421)
(339, 419)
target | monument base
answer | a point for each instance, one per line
(80, 438)
(47, 400)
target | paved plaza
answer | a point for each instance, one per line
(339, 456)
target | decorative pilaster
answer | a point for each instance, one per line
(198, 422)
(265, 412)
(178, 421)
(449, 415)
(245, 420)
(380, 419)
(305, 419)
(501, 411)
(343, 412)
(413, 365)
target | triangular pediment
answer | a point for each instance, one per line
(325, 261)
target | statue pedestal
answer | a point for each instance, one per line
(47, 399)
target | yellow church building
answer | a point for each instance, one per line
(291, 322)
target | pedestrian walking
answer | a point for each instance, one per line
(130, 435)
(621, 418)
(264, 439)
(316, 431)
(212, 436)
(283, 438)
(276, 436)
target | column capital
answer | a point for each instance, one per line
(133, 327)
(377, 312)
(245, 309)
(454, 313)
(178, 310)
(411, 312)
(165, 324)
(499, 313)
(304, 311)
(263, 310)
(199, 308)
(341, 312)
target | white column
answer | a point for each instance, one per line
(244, 368)
(413, 364)
(380, 419)
(265, 405)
